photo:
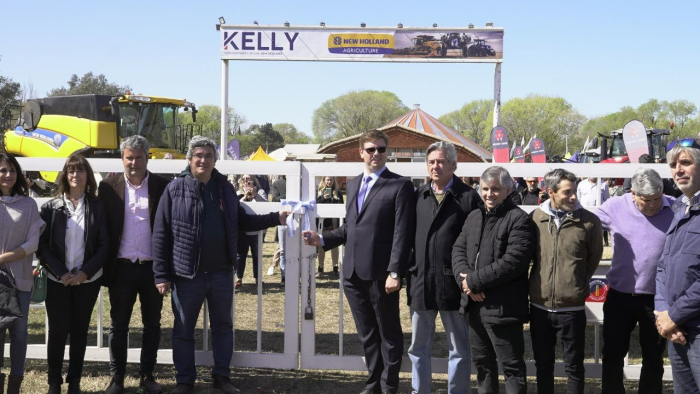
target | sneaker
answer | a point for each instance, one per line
(149, 385)
(183, 388)
(222, 385)
(116, 385)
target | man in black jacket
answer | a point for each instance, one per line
(442, 206)
(131, 200)
(531, 194)
(490, 259)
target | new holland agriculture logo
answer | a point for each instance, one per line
(361, 44)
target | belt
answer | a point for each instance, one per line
(138, 261)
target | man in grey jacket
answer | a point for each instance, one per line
(570, 242)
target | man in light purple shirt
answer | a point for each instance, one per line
(638, 222)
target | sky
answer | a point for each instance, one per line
(598, 55)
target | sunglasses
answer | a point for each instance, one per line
(379, 149)
(686, 143)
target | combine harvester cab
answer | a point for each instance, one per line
(94, 125)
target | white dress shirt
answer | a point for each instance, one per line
(136, 231)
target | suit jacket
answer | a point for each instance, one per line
(111, 192)
(377, 239)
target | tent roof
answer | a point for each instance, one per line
(260, 155)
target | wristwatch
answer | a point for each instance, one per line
(393, 275)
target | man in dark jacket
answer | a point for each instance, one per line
(570, 245)
(531, 194)
(442, 206)
(490, 260)
(278, 192)
(131, 200)
(677, 298)
(194, 249)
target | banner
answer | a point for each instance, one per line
(233, 149)
(518, 155)
(499, 145)
(634, 134)
(459, 45)
(537, 152)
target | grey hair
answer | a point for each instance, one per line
(647, 182)
(199, 141)
(553, 178)
(673, 154)
(135, 142)
(501, 175)
(445, 147)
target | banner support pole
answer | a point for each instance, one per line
(224, 108)
(497, 96)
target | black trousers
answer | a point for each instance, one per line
(497, 343)
(132, 280)
(622, 313)
(69, 309)
(246, 242)
(544, 327)
(379, 328)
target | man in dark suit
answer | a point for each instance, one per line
(131, 200)
(377, 234)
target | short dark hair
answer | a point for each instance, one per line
(371, 136)
(645, 158)
(77, 162)
(553, 178)
(20, 187)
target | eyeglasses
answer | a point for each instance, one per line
(686, 143)
(200, 156)
(379, 149)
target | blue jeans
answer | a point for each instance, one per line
(459, 359)
(282, 235)
(18, 337)
(187, 300)
(685, 363)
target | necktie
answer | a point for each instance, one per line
(363, 192)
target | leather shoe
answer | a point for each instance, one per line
(149, 385)
(222, 385)
(116, 385)
(183, 388)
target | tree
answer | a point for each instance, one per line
(471, 121)
(89, 84)
(680, 112)
(290, 134)
(209, 117)
(265, 136)
(354, 113)
(551, 118)
(650, 112)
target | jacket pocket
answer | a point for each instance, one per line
(691, 243)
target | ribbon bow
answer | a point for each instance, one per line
(296, 207)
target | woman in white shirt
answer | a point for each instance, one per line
(19, 238)
(73, 250)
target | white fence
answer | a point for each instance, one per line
(300, 334)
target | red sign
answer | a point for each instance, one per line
(634, 134)
(537, 151)
(599, 290)
(499, 145)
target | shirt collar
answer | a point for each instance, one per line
(691, 201)
(432, 187)
(132, 186)
(374, 175)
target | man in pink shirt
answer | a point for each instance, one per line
(131, 200)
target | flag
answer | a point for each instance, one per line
(585, 145)
(527, 147)
(512, 150)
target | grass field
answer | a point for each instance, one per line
(249, 380)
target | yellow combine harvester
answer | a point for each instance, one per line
(94, 125)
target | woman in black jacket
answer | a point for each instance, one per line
(73, 250)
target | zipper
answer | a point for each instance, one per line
(199, 230)
(481, 237)
(556, 257)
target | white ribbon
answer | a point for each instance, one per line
(296, 207)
